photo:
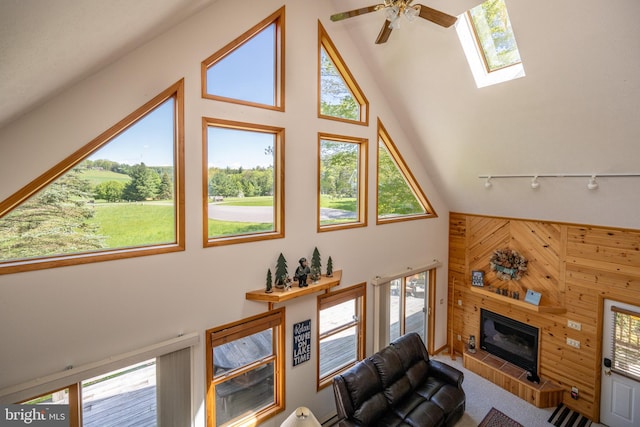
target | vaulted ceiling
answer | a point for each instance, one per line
(577, 111)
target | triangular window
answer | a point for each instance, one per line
(249, 70)
(340, 97)
(119, 196)
(399, 195)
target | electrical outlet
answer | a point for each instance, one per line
(574, 325)
(459, 337)
(573, 343)
(459, 302)
(441, 301)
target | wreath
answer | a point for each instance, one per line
(508, 264)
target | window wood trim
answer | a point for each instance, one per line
(410, 179)
(278, 184)
(175, 91)
(277, 18)
(359, 294)
(324, 41)
(229, 332)
(363, 182)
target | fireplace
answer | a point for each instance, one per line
(513, 341)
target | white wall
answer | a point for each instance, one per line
(76, 315)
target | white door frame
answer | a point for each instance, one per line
(619, 394)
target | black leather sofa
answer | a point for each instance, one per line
(400, 386)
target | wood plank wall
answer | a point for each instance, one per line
(574, 266)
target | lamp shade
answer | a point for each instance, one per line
(301, 417)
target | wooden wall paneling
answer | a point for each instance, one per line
(573, 266)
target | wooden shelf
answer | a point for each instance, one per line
(513, 379)
(279, 295)
(518, 303)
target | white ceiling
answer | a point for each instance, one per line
(576, 111)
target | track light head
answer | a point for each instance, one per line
(534, 182)
(488, 183)
(593, 184)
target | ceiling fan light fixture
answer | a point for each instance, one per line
(411, 13)
(392, 13)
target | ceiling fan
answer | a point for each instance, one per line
(394, 9)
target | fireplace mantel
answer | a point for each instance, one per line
(552, 309)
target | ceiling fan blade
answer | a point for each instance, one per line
(435, 16)
(385, 32)
(351, 13)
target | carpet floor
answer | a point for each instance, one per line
(496, 418)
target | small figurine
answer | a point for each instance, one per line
(301, 273)
(281, 272)
(269, 282)
(316, 265)
(329, 267)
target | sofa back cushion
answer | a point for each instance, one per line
(415, 359)
(364, 388)
(395, 383)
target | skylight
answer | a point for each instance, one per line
(489, 43)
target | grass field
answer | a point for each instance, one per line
(131, 224)
(96, 177)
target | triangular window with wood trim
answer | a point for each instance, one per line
(339, 96)
(250, 69)
(119, 196)
(400, 197)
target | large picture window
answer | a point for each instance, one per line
(121, 195)
(342, 181)
(242, 182)
(245, 370)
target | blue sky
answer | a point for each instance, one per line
(248, 73)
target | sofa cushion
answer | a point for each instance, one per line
(448, 398)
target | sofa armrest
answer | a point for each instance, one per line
(446, 373)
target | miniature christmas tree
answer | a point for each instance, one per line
(329, 267)
(316, 266)
(269, 282)
(281, 272)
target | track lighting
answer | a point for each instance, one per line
(591, 185)
(534, 182)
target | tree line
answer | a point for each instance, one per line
(146, 183)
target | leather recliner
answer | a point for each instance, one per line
(400, 386)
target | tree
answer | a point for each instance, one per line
(395, 196)
(144, 184)
(165, 190)
(316, 265)
(329, 267)
(269, 281)
(336, 99)
(53, 222)
(111, 191)
(282, 275)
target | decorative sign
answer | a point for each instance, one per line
(532, 297)
(301, 342)
(477, 278)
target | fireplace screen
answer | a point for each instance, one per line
(513, 341)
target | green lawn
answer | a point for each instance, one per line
(345, 204)
(96, 177)
(132, 224)
(219, 228)
(248, 201)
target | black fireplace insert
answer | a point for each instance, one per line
(510, 340)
